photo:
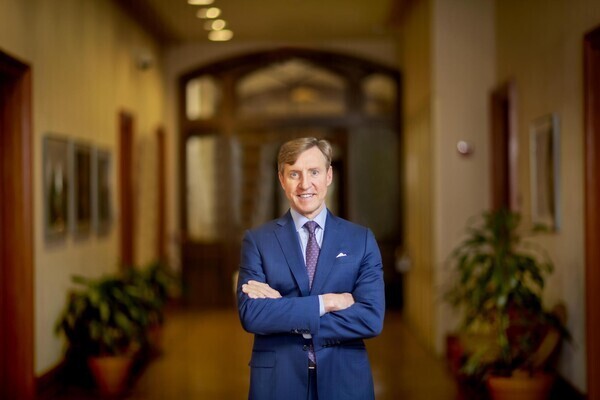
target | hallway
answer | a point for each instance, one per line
(402, 368)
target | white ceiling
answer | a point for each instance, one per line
(280, 20)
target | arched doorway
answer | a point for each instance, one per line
(235, 114)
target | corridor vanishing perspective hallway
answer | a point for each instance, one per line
(206, 356)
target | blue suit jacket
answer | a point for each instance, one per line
(349, 261)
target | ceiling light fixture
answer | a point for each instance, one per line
(220, 36)
(200, 2)
(218, 24)
(209, 13)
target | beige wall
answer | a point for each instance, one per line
(463, 75)
(448, 68)
(540, 46)
(415, 63)
(82, 55)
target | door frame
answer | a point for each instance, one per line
(126, 189)
(503, 147)
(16, 231)
(592, 203)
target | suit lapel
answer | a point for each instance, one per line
(290, 245)
(329, 248)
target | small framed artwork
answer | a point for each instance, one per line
(82, 188)
(544, 169)
(56, 186)
(102, 191)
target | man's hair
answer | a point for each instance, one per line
(290, 151)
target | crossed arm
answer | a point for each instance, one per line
(331, 301)
(344, 316)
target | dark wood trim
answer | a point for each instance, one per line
(592, 207)
(50, 383)
(339, 63)
(503, 148)
(161, 187)
(563, 389)
(127, 193)
(16, 246)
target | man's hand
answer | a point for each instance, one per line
(259, 290)
(337, 301)
(331, 301)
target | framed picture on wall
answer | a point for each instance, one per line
(82, 188)
(56, 186)
(102, 190)
(544, 170)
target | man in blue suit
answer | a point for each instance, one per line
(310, 294)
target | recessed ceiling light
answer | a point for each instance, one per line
(220, 36)
(215, 24)
(209, 13)
(200, 2)
(218, 24)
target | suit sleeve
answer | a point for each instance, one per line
(364, 319)
(271, 316)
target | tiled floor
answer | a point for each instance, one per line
(206, 357)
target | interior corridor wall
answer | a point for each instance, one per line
(83, 56)
(447, 59)
(463, 51)
(540, 47)
(415, 63)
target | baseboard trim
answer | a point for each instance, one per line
(563, 389)
(51, 381)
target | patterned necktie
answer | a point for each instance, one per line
(312, 255)
(312, 251)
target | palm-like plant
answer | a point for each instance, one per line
(104, 317)
(499, 285)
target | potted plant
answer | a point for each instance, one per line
(103, 322)
(498, 291)
(156, 284)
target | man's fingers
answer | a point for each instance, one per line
(256, 290)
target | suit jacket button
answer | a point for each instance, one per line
(305, 347)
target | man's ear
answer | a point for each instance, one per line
(280, 175)
(329, 175)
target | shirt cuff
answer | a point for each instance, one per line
(321, 306)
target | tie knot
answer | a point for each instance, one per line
(311, 226)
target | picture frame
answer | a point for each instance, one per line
(82, 189)
(544, 172)
(102, 191)
(57, 183)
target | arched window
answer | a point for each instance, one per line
(236, 113)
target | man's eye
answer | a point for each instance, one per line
(293, 175)
(314, 172)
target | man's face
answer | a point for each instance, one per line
(305, 182)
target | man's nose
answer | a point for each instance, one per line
(304, 181)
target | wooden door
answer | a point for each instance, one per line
(127, 194)
(161, 251)
(592, 208)
(503, 148)
(16, 231)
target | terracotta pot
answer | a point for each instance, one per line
(155, 338)
(454, 353)
(111, 373)
(521, 386)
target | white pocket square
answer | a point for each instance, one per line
(341, 255)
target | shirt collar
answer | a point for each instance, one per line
(300, 220)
